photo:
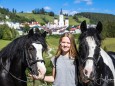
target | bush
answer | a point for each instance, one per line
(7, 33)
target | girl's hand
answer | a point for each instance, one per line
(39, 77)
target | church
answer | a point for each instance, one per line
(58, 23)
(61, 21)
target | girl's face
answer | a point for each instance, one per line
(65, 45)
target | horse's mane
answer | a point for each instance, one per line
(12, 48)
(16, 47)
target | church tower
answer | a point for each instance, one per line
(61, 19)
(66, 22)
(61, 22)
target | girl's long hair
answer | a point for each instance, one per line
(73, 49)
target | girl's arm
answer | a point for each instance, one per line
(50, 78)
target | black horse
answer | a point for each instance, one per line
(97, 68)
(24, 52)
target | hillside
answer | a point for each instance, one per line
(39, 18)
(108, 20)
(95, 17)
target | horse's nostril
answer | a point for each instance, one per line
(85, 72)
(92, 74)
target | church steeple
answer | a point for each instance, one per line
(61, 12)
(62, 22)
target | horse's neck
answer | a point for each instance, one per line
(108, 61)
(11, 65)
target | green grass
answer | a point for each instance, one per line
(109, 43)
(38, 17)
(52, 42)
(3, 43)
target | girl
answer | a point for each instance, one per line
(64, 72)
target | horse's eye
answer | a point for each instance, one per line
(31, 48)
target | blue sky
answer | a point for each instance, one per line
(68, 6)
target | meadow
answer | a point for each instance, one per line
(52, 41)
(39, 17)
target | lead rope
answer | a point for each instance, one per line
(15, 76)
(12, 74)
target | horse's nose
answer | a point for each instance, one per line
(33, 72)
(42, 68)
(87, 73)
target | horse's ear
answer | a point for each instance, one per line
(37, 31)
(44, 34)
(31, 32)
(34, 31)
(83, 26)
(99, 27)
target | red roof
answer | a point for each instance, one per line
(72, 29)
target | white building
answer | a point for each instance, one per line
(61, 22)
(15, 25)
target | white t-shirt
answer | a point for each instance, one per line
(65, 71)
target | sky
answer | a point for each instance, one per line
(68, 6)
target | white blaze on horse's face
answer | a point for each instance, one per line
(89, 63)
(40, 65)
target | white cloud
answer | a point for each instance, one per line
(1, 6)
(47, 8)
(65, 11)
(69, 12)
(73, 12)
(88, 2)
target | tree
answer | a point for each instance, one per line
(51, 13)
(108, 29)
(42, 11)
(7, 33)
(26, 28)
(76, 18)
(13, 10)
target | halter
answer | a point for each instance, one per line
(34, 62)
(37, 61)
(90, 58)
(106, 79)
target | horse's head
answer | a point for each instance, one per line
(89, 50)
(34, 48)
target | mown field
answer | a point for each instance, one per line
(52, 42)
